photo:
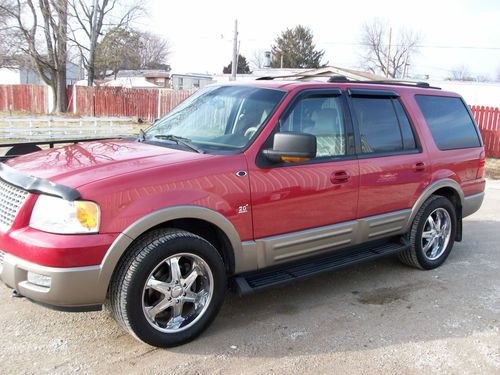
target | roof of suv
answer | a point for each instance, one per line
(398, 86)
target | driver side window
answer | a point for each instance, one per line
(321, 116)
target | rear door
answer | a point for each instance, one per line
(394, 170)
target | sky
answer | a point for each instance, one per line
(454, 33)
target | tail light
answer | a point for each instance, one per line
(482, 164)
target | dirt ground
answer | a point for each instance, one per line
(493, 168)
(378, 317)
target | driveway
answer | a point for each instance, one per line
(378, 317)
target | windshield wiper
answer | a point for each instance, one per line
(180, 141)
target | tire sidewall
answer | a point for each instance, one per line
(440, 202)
(138, 275)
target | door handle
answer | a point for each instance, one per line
(420, 166)
(340, 177)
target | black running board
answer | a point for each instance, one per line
(285, 274)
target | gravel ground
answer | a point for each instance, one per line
(378, 317)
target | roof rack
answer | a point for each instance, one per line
(399, 82)
(270, 78)
(342, 78)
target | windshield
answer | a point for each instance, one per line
(218, 117)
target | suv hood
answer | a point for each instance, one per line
(86, 162)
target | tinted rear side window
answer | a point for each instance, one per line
(383, 125)
(449, 121)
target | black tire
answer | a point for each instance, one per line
(415, 256)
(127, 293)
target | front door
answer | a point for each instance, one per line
(290, 198)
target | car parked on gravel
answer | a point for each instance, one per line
(244, 185)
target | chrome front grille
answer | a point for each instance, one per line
(11, 201)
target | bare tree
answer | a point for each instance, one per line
(154, 50)
(380, 57)
(460, 73)
(5, 45)
(91, 18)
(41, 30)
(258, 59)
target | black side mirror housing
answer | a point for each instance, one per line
(292, 147)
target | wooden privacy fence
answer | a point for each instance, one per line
(24, 98)
(488, 121)
(146, 104)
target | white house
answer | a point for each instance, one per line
(190, 81)
(27, 76)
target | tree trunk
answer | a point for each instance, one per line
(61, 56)
(60, 105)
(91, 69)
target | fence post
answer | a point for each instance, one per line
(74, 99)
(160, 91)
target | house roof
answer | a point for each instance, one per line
(320, 74)
(193, 75)
(323, 73)
(146, 73)
(131, 82)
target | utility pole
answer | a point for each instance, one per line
(234, 67)
(388, 54)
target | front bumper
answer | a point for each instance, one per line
(71, 289)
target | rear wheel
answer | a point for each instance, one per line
(169, 288)
(432, 234)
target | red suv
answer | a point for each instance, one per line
(244, 185)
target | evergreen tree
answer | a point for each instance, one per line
(297, 49)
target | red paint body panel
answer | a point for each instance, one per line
(390, 183)
(56, 250)
(294, 198)
(209, 181)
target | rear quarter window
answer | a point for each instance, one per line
(449, 122)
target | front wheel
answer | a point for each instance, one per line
(432, 234)
(169, 288)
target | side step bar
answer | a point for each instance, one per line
(280, 275)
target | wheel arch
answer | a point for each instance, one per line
(202, 221)
(447, 188)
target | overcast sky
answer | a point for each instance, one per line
(454, 32)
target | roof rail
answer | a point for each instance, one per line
(338, 78)
(404, 83)
(394, 82)
(341, 78)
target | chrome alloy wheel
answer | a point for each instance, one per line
(436, 233)
(177, 293)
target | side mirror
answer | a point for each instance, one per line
(292, 147)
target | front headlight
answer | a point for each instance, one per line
(56, 215)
